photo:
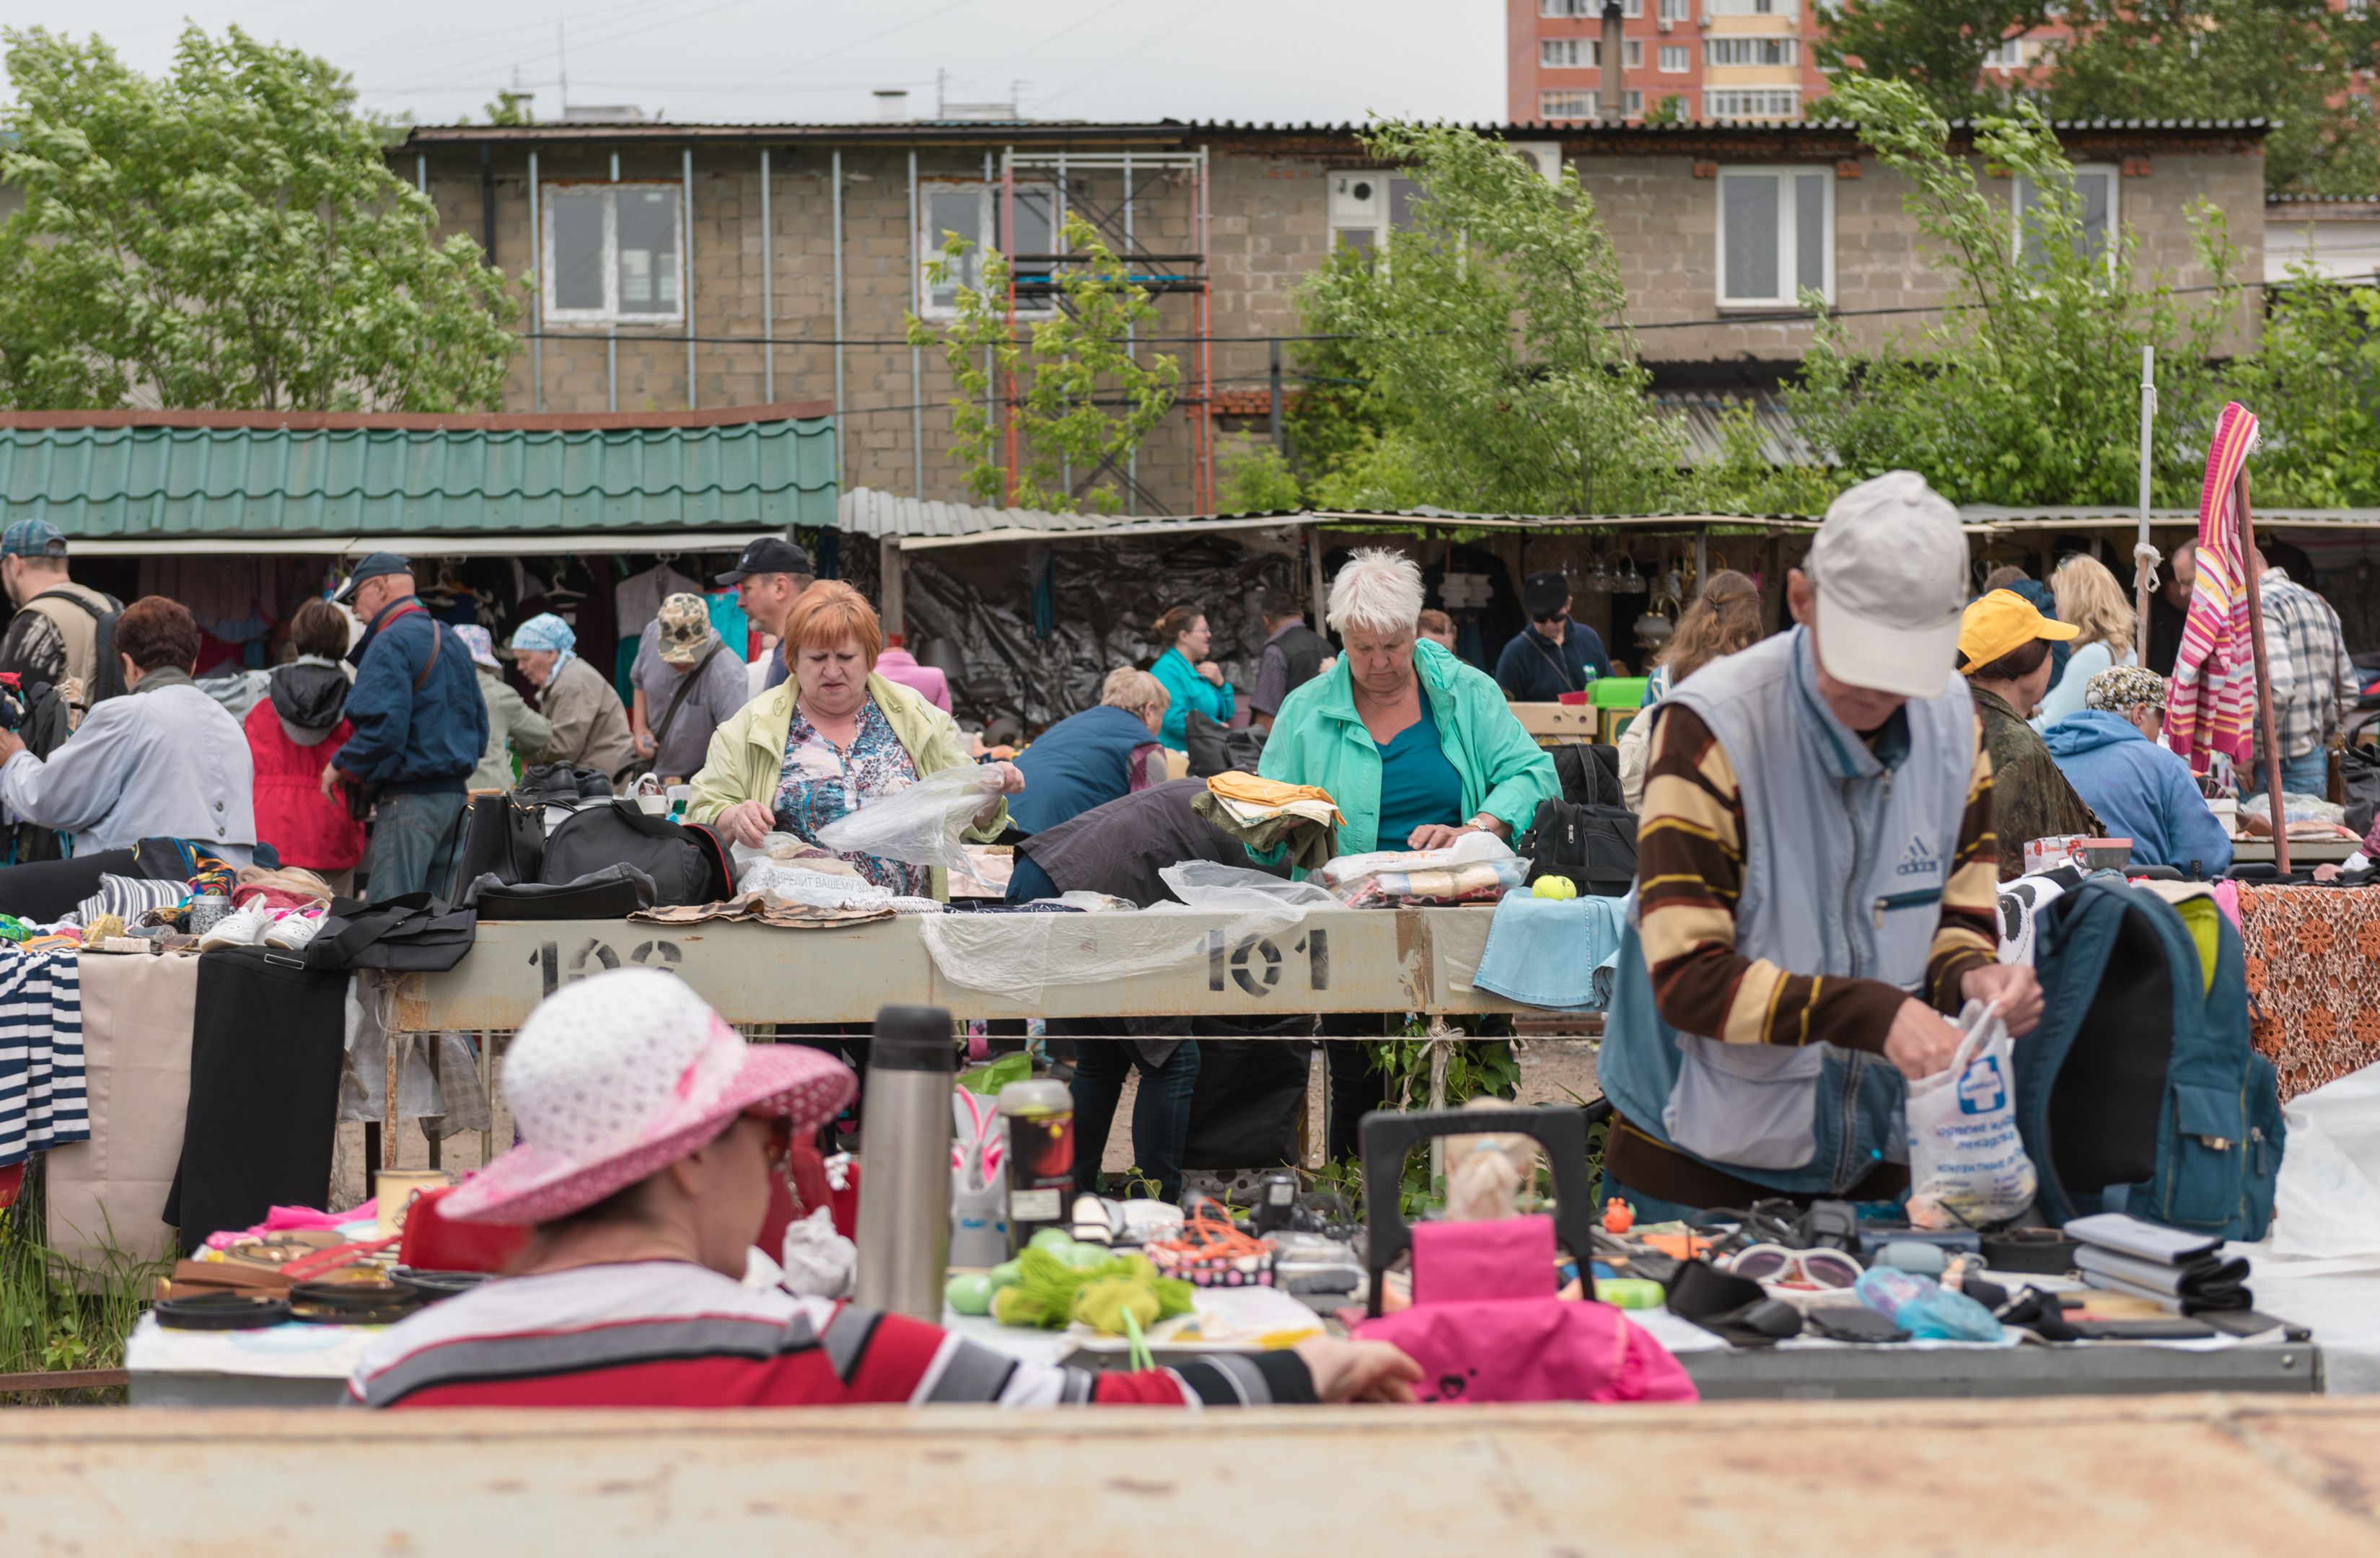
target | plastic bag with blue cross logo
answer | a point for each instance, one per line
(1967, 1161)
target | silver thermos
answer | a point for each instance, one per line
(904, 1168)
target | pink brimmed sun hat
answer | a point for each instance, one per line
(617, 1077)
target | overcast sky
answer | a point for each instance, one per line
(809, 60)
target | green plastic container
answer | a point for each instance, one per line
(1616, 692)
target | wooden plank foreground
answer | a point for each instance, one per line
(2082, 1477)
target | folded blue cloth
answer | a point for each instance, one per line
(1553, 952)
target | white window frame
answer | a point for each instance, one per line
(1791, 104)
(1549, 114)
(929, 239)
(611, 313)
(1384, 226)
(2007, 54)
(1788, 49)
(1683, 54)
(1586, 54)
(1590, 10)
(1675, 11)
(1788, 234)
(2115, 178)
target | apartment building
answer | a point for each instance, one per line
(700, 266)
(1719, 61)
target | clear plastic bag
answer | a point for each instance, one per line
(1967, 1161)
(921, 825)
(1476, 866)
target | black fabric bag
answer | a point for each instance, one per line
(613, 893)
(1218, 749)
(1594, 846)
(688, 863)
(107, 673)
(503, 835)
(1590, 775)
(416, 932)
(267, 1042)
(2359, 778)
(1251, 1095)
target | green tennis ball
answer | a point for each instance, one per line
(969, 1293)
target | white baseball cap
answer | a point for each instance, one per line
(1891, 567)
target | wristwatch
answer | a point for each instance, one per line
(1484, 822)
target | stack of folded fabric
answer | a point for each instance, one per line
(1265, 813)
(2182, 1272)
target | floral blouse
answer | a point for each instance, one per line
(820, 782)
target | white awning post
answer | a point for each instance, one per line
(2145, 555)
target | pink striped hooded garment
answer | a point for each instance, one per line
(2210, 707)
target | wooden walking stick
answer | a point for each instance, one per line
(2268, 737)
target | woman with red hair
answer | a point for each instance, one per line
(832, 738)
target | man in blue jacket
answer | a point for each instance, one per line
(1553, 654)
(2109, 752)
(419, 728)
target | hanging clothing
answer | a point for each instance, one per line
(638, 598)
(2212, 703)
(42, 1090)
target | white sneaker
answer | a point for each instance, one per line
(294, 928)
(241, 927)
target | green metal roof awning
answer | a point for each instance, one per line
(150, 481)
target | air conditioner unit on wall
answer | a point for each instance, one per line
(1358, 197)
(1546, 154)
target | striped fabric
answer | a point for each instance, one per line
(128, 897)
(42, 1104)
(2212, 704)
(669, 1334)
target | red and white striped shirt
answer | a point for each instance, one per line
(672, 1334)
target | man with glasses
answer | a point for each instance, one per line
(1553, 654)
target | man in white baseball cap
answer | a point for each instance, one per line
(1818, 883)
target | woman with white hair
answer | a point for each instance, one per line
(1415, 746)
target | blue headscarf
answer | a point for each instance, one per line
(546, 630)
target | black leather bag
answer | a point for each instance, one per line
(503, 835)
(1218, 749)
(2359, 778)
(613, 893)
(562, 783)
(417, 933)
(688, 863)
(1594, 846)
(1590, 775)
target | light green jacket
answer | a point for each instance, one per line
(1317, 738)
(511, 722)
(748, 754)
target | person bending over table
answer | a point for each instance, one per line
(2140, 790)
(1099, 755)
(832, 739)
(1415, 747)
(1817, 884)
(648, 1131)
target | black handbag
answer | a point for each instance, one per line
(415, 933)
(1594, 846)
(1216, 748)
(687, 862)
(502, 836)
(2359, 778)
(613, 893)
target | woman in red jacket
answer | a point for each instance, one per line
(291, 734)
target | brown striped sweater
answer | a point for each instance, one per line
(1690, 871)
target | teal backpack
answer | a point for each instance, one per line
(2139, 1092)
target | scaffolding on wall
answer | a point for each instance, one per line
(1034, 279)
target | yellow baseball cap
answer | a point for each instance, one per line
(2001, 622)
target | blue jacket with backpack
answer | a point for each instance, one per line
(420, 722)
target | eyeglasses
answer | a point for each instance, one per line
(1776, 1265)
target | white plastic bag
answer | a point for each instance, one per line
(1967, 1162)
(1476, 865)
(921, 825)
(2327, 1203)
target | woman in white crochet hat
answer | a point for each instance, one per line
(649, 1130)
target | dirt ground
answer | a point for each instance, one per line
(1553, 1070)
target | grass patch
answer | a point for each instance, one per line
(58, 1314)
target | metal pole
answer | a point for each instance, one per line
(1612, 100)
(1057, 230)
(685, 265)
(2267, 736)
(768, 291)
(2143, 553)
(888, 561)
(1008, 246)
(537, 331)
(916, 362)
(611, 334)
(1313, 568)
(1273, 407)
(1132, 456)
(835, 173)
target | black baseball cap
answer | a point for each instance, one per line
(376, 565)
(770, 554)
(1545, 593)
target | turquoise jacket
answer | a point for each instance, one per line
(1189, 690)
(1319, 739)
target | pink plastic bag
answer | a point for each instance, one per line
(1486, 1326)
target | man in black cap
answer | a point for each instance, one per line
(769, 578)
(420, 726)
(1552, 654)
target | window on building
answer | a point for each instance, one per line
(2095, 188)
(1752, 102)
(1675, 11)
(1589, 10)
(972, 210)
(1775, 234)
(1751, 7)
(2358, 8)
(1587, 105)
(1367, 206)
(2009, 55)
(1675, 58)
(1751, 51)
(611, 253)
(1586, 54)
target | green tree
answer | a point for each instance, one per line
(1489, 343)
(2026, 389)
(510, 108)
(1936, 47)
(2292, 60)
(226, 236)
(1252, 477)
(2314, 383)
(1068, 372)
